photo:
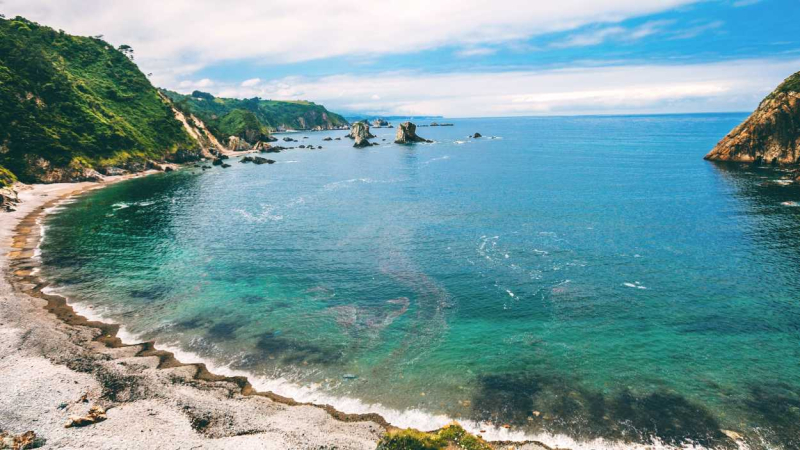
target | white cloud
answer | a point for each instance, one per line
(698, 30)
(476, 51)
(251, 82)
(192, 33)
(726, 86)
(599, 36)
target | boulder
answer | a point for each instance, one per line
(225, 166)
(477, 135)
(114, 171)
(360, 133)
(217, 162)
(407, 134)
(328, 139)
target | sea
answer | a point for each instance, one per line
(586, 282)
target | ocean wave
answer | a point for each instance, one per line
(344, 183)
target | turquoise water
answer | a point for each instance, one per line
(584, 278)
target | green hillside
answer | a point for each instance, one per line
(70, 103)
(251, 119)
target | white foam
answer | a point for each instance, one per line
(635, 285)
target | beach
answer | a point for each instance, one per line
(56, 364)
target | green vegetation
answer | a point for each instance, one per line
(791, 84)
(252, 119)
(449, 437)
(68, 103)
(6, 177)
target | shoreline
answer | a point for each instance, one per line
(21, 266)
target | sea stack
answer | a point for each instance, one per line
(407, 134)
(771, 134)
(360, 132)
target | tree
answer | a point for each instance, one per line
(126, 50)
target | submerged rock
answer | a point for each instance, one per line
(477, 135)
(407, 134)
(771, 134)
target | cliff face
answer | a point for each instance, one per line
(253, 119)
(72, 106)
(771, 134)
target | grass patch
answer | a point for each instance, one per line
(452, 436)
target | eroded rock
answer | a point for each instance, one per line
(407, 134)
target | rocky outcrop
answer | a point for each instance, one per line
(360, 133)
(256, 160)
(477, 135)
(237, 144)
(771, 134)
(8, 199)
(407, 134)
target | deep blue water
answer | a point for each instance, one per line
(590, 278)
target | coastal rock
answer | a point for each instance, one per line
(771, 134)
(183, 156)
(407, 134)
(96, 414)
(262, 146)
(8, 199)
(288, 139)
(256, 160)
(360, 133)
(477, 135)
(113, 171)
(379, 123)
(237, 144)
(273, 149)
(217, 162)
(328, 139)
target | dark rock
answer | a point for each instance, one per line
(406, 134)
(225, 166)
(338, 139)
(217, 162)
(302, 146)
(256, 160)
(328, 139)
(169, 169)
(477, 135)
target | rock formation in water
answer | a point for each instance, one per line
(360, 133)
(407, 134)
(771, 134)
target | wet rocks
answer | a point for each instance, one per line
(407, 134)
(96, 414)
(288, 139)
(477, 135)
(256, 160)
(328, 139)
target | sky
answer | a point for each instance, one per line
(455, 58)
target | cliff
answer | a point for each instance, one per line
(252, 120)
(771, 134)
(71, 106)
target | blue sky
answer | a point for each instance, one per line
(455, 58)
